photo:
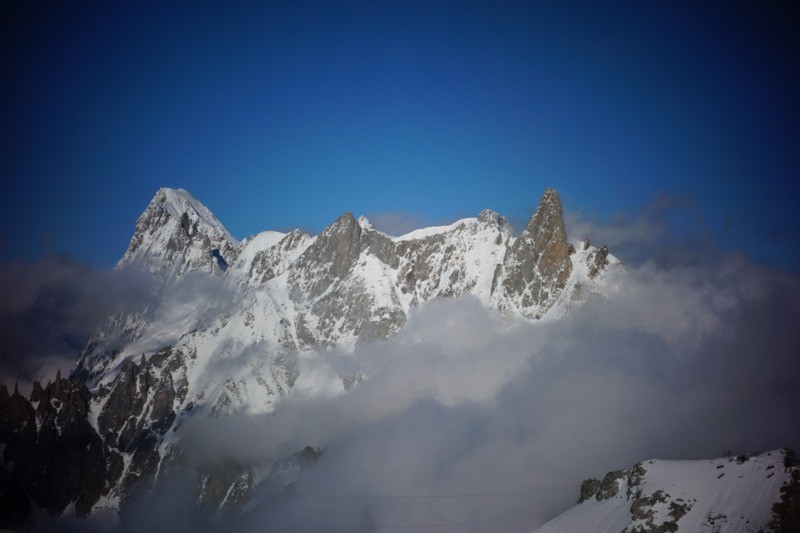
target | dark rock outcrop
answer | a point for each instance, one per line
(52, 453)
(53, 456)
(139, 410)
(328, 259)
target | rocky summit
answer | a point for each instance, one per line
(227, 324)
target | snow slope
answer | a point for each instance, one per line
(725, 494)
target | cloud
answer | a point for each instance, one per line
(467, 421)
(670, 231)
(170, 310)
(473, 423)
(50, 308)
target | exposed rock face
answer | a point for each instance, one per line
(459, 261)
(149, 369)
(51, 451)
(55, 456)
(329, 259)
(355, 284)
(536, 268)
(138, 408)
(332, 295)
(275, 260)
(599, 262)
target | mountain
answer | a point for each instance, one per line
(228, 324)
(744, 493)
(294, 293)
(177, 234)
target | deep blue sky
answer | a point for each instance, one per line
(280, 115)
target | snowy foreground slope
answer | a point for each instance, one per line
(725, 494)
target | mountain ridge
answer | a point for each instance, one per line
(229, 323)
(351, 283)
(231, 326)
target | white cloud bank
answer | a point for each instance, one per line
(470, 423)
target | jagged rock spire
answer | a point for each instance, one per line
(536, 268)
(37, 393)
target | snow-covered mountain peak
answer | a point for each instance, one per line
(423, 233)
(175, 234)
(240, 342)
(253, 334)
(348, 285)
(180, 201)
(267, 255)
(262, 241)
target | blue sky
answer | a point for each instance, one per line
(283, 115)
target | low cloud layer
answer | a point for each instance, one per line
(469, 422)
(50, 308)
(670, 231)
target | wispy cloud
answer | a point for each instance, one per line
(51, 307)
(670, 231)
